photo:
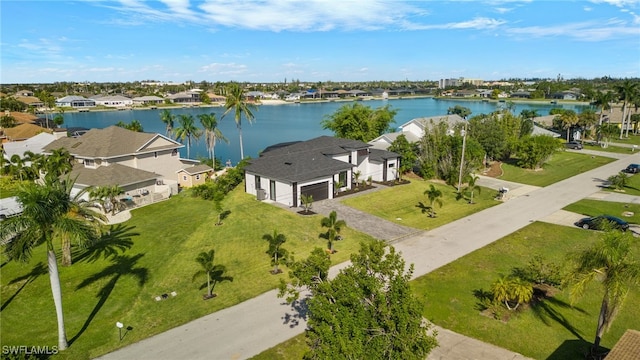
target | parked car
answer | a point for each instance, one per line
(598, 223)
(632, 169)
(573, 145)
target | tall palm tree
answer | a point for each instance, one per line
(168, 119)
(626, 92)
(609, 262)
(275, 251)
(58, 163)
(211, 134)
(602, 100)
(235, 102)
(334, 226)
(568, 118)
(81, 210)
(187, 130)
(45, 216)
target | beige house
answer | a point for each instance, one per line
(142, 164)
(193, 175)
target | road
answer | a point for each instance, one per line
(253, 326)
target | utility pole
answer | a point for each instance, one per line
(464, 144)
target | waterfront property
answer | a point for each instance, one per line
(414, 129)
(194, 175)
(320, 167)
(140, 163)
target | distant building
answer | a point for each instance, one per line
(444, 83)
(75, 102)
(113, 100)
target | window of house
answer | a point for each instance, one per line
(155, 154)
(90, 163)
(391, 165)
(174, 152)
(197, 176)
(342, 178)
(258, 182)
(184, 177)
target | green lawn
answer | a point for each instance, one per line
(589, 207)
(632, 139)
(164, 240)
(562, 165)
(399, 204)
(552, 330)
(610, 148)
(632, 187)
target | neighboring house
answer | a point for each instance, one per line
(521, 94)
(22, 132)
(116, 101)
(75, 102)
(147, 100)
(627, 347)
(193, 175)
(190, 96)
(319, 167)
(34, 144)
(140, 163)
(30, 101)
(414, 129)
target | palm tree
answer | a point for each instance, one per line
(58, 163)
(434, 195)
(609, 262)
(568, 118)
(235, 101)
(107, 195)
(334, 226)
(626, 92)
(603, 101)
(472, 186)
(47, 213)
(213, 272)
(275, 251)
(168, 119)
(211, 134)
(512, 290)
(187, 130)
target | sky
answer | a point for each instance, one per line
(316, 40)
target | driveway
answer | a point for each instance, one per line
(248, 328)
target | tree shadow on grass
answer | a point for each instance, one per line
(37, 271)
(117, 239)
(547, 310)
(121, 265)
(576, 349)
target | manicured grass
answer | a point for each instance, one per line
(632, 187)
(610, 148)
(589, 207)
(399, 204)
(165, 239)
(553, 330)
(632, 139)
(562, 165)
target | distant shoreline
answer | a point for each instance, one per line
(275, 102)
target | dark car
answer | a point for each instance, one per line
(573, 145)
(632, 169)
(602, 221)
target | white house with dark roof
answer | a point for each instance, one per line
(319, 167)
(140, 163)
(75, 102)
(414, 129)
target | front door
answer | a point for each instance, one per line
(272, 190)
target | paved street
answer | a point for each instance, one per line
(249, 328)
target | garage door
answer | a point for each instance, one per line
(318, 191)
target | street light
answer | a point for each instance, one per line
(119, 325)
(464, 144)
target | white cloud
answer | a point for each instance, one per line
(502, 10)
(224, 69)
(583, 31)
(479, 23)
(618, 3)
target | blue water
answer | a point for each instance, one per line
(281, 123)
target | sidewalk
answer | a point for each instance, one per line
(253, 326)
